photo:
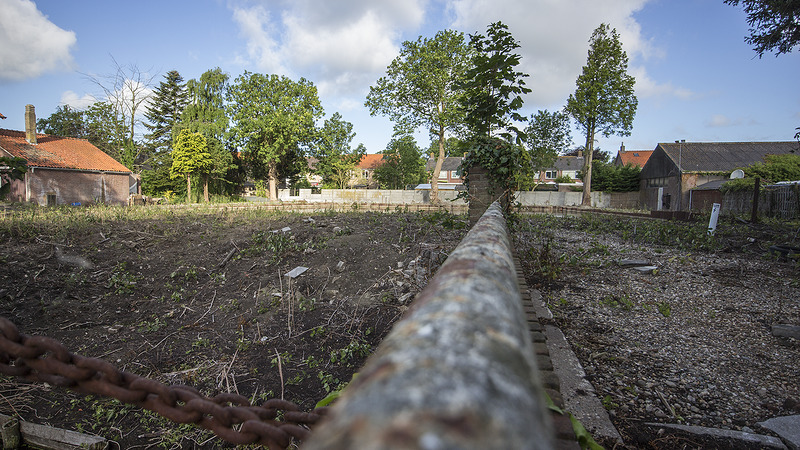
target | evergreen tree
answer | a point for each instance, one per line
(164, 111)
(205, 114)
(604, 99)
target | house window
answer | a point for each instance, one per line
(454, 174)
(365, 173)
(51, 199)
(657, 182)
(550, 175)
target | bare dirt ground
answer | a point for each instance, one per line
(688, 341)
(201, 298)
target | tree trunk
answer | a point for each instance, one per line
(273, 181)
(437, 168)
(587, 168)
(188, 188)
(205, 188)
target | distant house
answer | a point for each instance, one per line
(674, 169)
(563, 166)
(449, 175)
(63, 170)
(636, 158)
(364, 173)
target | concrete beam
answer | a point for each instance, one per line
(458, 372)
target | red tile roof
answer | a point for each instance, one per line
(58, 152)
(636, 157)
(370, 161)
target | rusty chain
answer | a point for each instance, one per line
(230, 416)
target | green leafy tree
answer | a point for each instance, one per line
(776, 168)
(65, 121)
(420, 89)
(273, 121)
(453, 146)
(335, 159)
(493, 95)
(205, 114)
(604, 100)
(190, 157)
(774, 24)
(546, 136)
(402, 164)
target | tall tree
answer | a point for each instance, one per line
(335, 159)
(205, 114)
(273, 121)
(164, 111)
(420, 89)
(127, 90)
(494, 88)
(774, 24)
(190, 157)
(402, 164)
(546, 136)
(604, 99)
(493, 95)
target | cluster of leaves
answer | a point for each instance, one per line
(774, 168)
(609, 177)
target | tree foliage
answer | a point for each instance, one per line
(546, 136)
(273, 121)
(402, 164)
(604, 100)
(421, 89)
(335, 159)
(190, 157)
(493, 95)
(774, 24)
(493, 87)
(776, 168)
(164, 111)
(66, 122)
(609, 177)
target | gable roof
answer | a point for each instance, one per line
(370, 161)
(569, 163)
(723, 156)
(637, 158)
(56, 152)
(449, 164)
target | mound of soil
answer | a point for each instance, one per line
(204, 299)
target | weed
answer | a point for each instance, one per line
(622, 301)
(152, 325)
(664, 308)
(608, 403)
(121, 281)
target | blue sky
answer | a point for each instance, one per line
(696, 77)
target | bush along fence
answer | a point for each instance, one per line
(459, 371)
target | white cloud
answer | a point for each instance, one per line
(342, 46)
(719, 120)
(31, 45)
(77, 101)
(554, 37)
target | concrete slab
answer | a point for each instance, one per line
(787, 427)
(633, 262)
(744, 439)
(645, 269)
(296, 272)
(784, 330)
(579, 395)
(541, 310)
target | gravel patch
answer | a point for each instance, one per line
(688, 340)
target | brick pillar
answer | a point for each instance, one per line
(479, 194)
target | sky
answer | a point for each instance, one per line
(696, 78)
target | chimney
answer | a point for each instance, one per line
(30, 124)
(622, 147)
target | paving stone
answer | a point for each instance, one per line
(759, 440)
(787, 427)
(633, 262)
(783, 330)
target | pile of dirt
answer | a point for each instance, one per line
(204, 299)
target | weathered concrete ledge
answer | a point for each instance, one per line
(459, 371)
